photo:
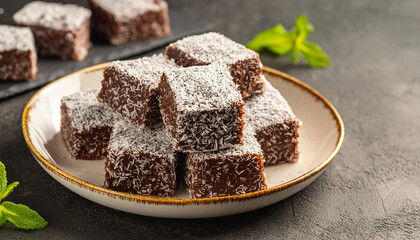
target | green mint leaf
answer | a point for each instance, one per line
(274, 37)
(9, 189)
(303, 28)
(22, 216)
(294, 56)
(281, 42)
(2, 218)
(281, 50)
(3, 179)
(314, 55)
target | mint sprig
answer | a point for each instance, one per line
(20, 215)
(282, 42)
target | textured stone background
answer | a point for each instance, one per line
(372, 188)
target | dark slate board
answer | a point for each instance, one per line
(50, 69)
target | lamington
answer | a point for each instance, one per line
(230, 171)
(121, 21)
(275, 125)
(61, 30)
(140, 161)
(244, 64)
(130, 88)
(86, 125)
(201, 108)
(17, 53)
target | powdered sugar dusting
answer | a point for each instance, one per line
(147, 140)
(146, 69)
(126, 9)
(265, 109)
(203, 88)
(213, 47)
(19, 38)
(86, 112)
(250, 146)
(52, 15)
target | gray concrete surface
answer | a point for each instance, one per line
(370, 191)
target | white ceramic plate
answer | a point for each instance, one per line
(321, 137)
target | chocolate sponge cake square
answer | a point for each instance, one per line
(130, 88)
(85, 125)
(17, 53)
(140, 161)
(230, 171)
(244, 64)
(121, 21)
(275, 124)
(61, 30)
(201, 108)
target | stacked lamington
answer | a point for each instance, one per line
(182, 115)
(243, 64)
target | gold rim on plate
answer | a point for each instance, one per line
(170, 201)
